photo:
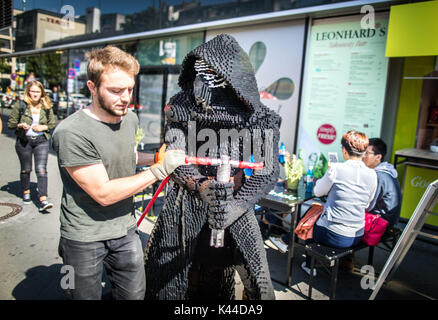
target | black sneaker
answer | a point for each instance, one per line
(44, 205)
(26, 198)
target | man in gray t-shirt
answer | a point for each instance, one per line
(81, 141)
(97, 158)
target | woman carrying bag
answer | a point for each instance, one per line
(33, 119)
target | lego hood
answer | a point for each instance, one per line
(229, 60)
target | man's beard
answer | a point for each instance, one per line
(108, 108)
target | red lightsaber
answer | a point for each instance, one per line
(203, 162)
(217, 162)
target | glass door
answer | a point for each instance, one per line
(155, 87)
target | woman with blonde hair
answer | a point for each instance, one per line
(32, 119)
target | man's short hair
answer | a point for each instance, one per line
(379, 146)
(100, 60)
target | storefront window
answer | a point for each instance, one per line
(49, 24)
(150, 100)
(129, 47)
(180, 12)
(167, 51)
(77, 71)
(172, 85)
(427, 136)
(45, 68)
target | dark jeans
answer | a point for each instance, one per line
(39, 147)
(123, 261)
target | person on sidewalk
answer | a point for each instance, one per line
(55, 99)
(387, 201)
(97, 159)
(33, 119)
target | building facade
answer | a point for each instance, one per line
(36, 27)
(325, 66)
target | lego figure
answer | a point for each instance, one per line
(219, 93)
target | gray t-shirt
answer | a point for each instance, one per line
(81, 140)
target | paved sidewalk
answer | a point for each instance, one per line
(30, 267)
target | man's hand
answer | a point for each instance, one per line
(166, 165)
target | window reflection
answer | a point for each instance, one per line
(150, 100)
(167, 51)
(49, 24)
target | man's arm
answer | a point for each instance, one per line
(94, 180)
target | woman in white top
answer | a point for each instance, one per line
(350, 186)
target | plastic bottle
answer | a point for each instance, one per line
(282, 153)
(247, 171)
(309, 180)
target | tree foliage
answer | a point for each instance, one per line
(5, 66)
(46, 67)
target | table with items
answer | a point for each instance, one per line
(287, 202)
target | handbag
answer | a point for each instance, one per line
(304, 229)
(375, 227)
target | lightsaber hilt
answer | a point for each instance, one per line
(223, 175)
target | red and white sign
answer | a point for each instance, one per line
(71, 73)
(30, 78)
(326, 134)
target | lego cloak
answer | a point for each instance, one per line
(179, 262)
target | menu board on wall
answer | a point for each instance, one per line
(344, 84)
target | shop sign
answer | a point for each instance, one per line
(77, 65)
(30, 78)
(71, 74)
(70, 85)
(344, 83)
(326, 134)
(19, 81)
(52, 20)
(416, 182)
